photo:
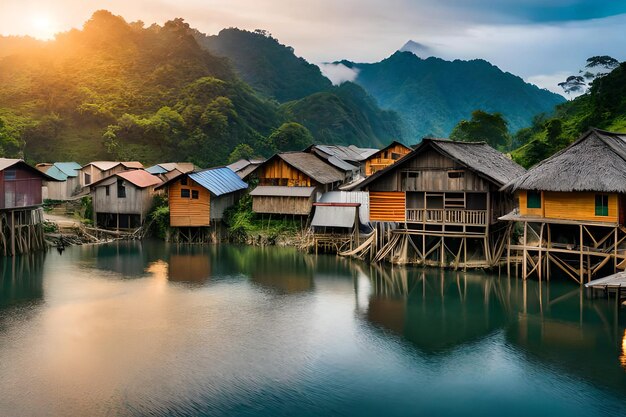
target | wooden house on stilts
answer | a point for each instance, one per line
(21, 215)
(290, 182)
(572, 207)
(439, 205)
(197, 201)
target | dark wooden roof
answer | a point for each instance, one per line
(478, 157)
(312, 166)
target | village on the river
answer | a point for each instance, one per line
(439, 203)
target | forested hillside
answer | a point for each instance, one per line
(603, 106)
(270, 67)
(432, 95)
(119, 90)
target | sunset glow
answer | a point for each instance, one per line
(42, 27)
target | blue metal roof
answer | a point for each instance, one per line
(156, 169)
(219, 181)
(56, 173)
(70, 169)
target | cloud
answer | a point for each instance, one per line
(338, 73)
(550, 81)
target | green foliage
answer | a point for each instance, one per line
(483, 126)
(432, 95)
(345, 115)
(87, 207)
(290, 137)
(50, 227)
(160, 216)
(241, 151)
(604, 107)
(270, 67)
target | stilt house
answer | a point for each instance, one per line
(122, 200)
(67, 179)
(385, 157)
(443, 202)
(95, 171)
(348, 159)
(197, 199)
(21, 217)
(573, 208)
(290, 182)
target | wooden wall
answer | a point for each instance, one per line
(24, 190)
(188, 212)
(60, 190)
(385, 158)
(570, 206)
(430, 171)
(387, 206)
(282, 205)
(137, 200)
(278, 172)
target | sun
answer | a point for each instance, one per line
(42, 27)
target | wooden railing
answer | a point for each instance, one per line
(447, 216)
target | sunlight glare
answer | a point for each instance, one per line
(42, 27)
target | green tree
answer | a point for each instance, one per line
(241, 151)
(489, 127)
(290, 136)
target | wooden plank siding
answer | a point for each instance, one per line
(571, 206)
(278, 172)
(189, 212)
(385, 158)
(387, 206)
(282, 205)
(20, 189)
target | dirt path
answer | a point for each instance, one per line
(64, 222)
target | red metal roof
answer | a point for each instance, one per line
(140, 178)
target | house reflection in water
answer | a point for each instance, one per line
(295, 275)
(436, 310)
(21, 279)
(190, 265)
(554, 323)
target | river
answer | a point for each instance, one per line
(135, 329)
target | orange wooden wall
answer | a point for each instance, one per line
(570, 206)
(384, 158)
(387, 206)
(284, 173)
(188, 212)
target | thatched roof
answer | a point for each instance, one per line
(595, 162)
(475, 156)
(312, 166)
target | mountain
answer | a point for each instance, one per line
(603, 106)
(432, 95)
(417, 48)
(119, 90)
(271, 68)
(345, 114)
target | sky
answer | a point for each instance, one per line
(542, 41)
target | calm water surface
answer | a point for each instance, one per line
(150, 329)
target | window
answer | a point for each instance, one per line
(534, 200)
(107, 191)
(184, 193)
(121, 189)
(194, 194)
(87, 179)
(456, 174)
(602, 205)
(183, 181)
(10, 174)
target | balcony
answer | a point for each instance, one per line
(447, 216)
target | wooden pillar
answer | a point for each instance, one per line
(615, 235)
(548, 246)
(581, 267)
(525, 252)
(12, 233)
(540, 266)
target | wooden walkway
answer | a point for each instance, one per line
(613, 284)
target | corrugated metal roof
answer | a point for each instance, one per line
(156, 169)
(362, 197)
(140, 178)
(56, 173)
(312, 166)
(333, 216)
(341, 164)
(70, 169)
(107, 165)
(219, 181)
(10, 162)
(282, 191)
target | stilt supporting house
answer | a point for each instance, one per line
(21, 231)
